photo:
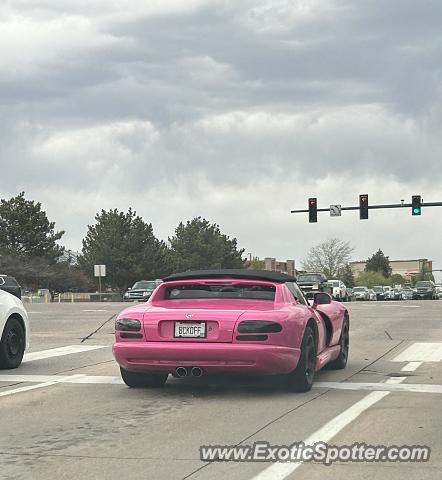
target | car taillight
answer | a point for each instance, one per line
(127, 325)
(259, 326)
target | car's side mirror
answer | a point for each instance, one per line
(321, 298)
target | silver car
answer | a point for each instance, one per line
(361, 293)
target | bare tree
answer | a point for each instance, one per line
(329, 257)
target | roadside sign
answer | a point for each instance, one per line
(335, 210)
(99, 270)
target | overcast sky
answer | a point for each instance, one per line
(237, 111)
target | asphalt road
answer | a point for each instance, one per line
(66, 415)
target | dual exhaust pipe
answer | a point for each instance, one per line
(184, 372)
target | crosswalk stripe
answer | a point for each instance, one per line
(60, 351)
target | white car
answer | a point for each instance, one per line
(14, 329)
(339, 289)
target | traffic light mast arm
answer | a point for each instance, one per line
(374, 207)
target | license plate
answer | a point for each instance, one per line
(190, 330)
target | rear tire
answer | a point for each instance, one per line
(12, 345)
(301, 378)
(341, 361)
(143, 380)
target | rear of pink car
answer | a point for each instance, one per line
(210, 325)
(235, 322)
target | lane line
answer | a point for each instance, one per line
(78, 378)
(391, 385)
(279, 471)
(60, 351)
(33, 387)
(420, 352)
(411, 366)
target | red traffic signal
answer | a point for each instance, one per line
(312, 210)
(363, 206)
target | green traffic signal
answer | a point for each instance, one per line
(416, 203)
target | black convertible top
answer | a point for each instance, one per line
(241, 273)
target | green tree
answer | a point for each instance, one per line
(346, 276)
(201, 245)
(371, 279)
(397, 279)
(38, 272)
(26, 231)
(257, 264)
(378, 262)
(422, 276)
(127, 246)
(329, 257)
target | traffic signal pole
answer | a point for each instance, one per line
(376, 207)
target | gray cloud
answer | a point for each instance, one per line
(235, 111)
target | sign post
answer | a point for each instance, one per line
(99, 271)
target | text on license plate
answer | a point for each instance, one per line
(190, 329)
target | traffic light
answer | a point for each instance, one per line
(416, 205)
(312, 210)
(363, 206)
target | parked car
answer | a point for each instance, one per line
(424, 289)
(361, 293)
(231, 322)
(372, 294)
(407, 293)
(396, 294)
(10, 284)
(380, 292)
(14, 330)
(141, 291)
(387, 292)
(350, 296)
(311, 283)
(438, 292)
(338, 290)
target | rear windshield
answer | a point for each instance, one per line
(309, 278)
(8, 281)
(145, 284)
(378, 289)
(423, 284)
(359, 289)
(334, 283)
(199, 290)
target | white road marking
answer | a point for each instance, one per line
(421, 352)
(79, 378)
(279, 471)
(395, 380)
(33, 387)
(58, 352)
(411, 366)
(95, 310)
(34, 312)
(389, 387)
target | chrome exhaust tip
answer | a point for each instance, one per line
(196, 372)
(181, 372)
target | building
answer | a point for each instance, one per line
(273, 265)
(406, 268)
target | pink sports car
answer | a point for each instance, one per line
(230, 321)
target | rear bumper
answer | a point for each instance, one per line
(211, 357)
